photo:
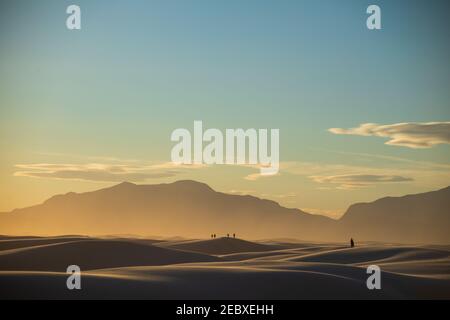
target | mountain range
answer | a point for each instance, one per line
(192, 209)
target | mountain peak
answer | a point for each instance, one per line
(126, 183)
(123, 185)
(189, 182)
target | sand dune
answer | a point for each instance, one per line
(279, 254)
(93, 254)
(374, 254)
(203, 281)
(232, 269)
(190, 282)
(16, 243)
(220, 246)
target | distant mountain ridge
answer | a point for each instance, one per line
(193, 209)
(416, 218)
(183, 208)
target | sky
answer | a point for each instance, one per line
(85, 109)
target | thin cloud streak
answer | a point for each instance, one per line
(356, 181)
(352, 177)
(410, 134)
(100, 172)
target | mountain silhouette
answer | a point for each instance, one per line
(192, 209)
(418, 218)
(183, 208)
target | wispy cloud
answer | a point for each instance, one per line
(352, 181)
(99, 172)
(411, 135)
(422, 165)
(256, 176)
(259, 174)
(330, 176)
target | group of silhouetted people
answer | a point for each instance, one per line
(213, 235)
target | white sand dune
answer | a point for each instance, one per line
(220, 246)
(280, 254)
(203, 281)
(93, 254)
(374, 254)
(16, 243)
(124, 268)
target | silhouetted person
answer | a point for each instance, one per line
(234, 235)
(228, 235)
(352, 243)
(212, 236)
